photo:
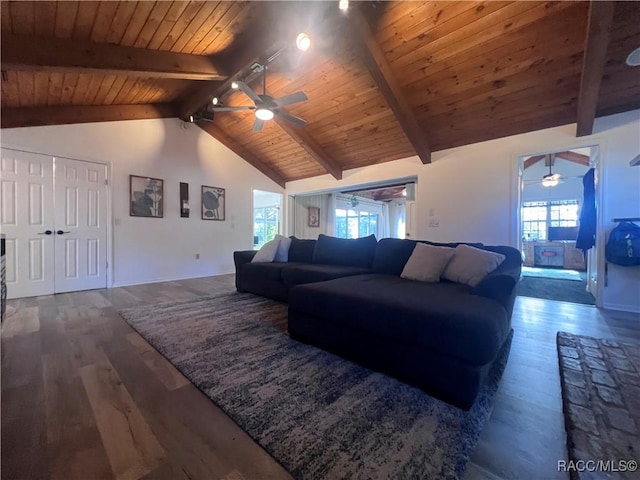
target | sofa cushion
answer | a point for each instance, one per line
(301, 250)
(470, 265)
(427, 262)
(353, 252)
(267, 252)
(392, 255)
(309, 273)
(444, 317)
(264, 270)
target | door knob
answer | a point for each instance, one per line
(46, 232)
(60, 232)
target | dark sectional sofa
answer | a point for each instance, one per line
(347, 296)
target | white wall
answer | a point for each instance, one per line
(472, 190)
(149, 249)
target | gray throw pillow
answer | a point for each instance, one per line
(470, 265)
(427, 263)
(267, 252)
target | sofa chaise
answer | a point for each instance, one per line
(441, 336)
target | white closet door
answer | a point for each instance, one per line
(81, 225)
(27, 221)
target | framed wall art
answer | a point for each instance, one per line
(314, 217)
(146, 197)
(213, 203)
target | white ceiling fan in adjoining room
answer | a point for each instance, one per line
(551, 169)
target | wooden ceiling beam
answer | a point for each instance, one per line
(377, 65)
(574, 157)
(531, 161)
(263, 41)
(312, 147)
(240, 150)
(26, 53)
(593, 63)
(69, 114)
(274, 27)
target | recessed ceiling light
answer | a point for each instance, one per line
(343, 5)
(303, 42)
(264, 114)
(191, 119)
(234, 85)
(215, 100)
(633, 59)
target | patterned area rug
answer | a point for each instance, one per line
(319, 415)
(601, 402)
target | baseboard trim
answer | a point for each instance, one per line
(172, 279)
(621, 307)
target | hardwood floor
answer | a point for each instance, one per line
(85, 397)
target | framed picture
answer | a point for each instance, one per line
(213, 203)
(146, 197)
(314, 217)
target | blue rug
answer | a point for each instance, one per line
(555, 289)
(320, 416)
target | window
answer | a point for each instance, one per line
(538, 216)
(352, 223)
(265, 225)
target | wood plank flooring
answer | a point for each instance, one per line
(85, 397)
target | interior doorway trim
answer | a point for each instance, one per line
(516, 199)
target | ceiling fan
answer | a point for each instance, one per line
(264, 105)
(550, 179)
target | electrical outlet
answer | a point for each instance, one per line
(197, 256)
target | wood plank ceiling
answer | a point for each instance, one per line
(386, 80)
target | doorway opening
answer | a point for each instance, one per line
(267, 207)
(557, 221)
(385, 210)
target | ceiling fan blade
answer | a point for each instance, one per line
(257, 125)
(291, 118)
(231, 109)
(248, 91)
(289, 99)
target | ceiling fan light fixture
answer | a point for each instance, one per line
(303, 41)
(264, 114)
(633, 59)
(549, 180)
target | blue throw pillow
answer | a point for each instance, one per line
(355, 252)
